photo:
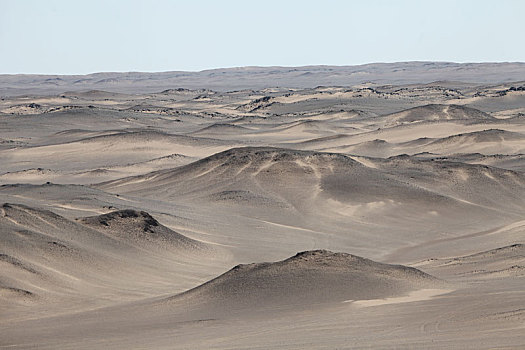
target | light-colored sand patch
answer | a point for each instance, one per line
(313, 167)
(343, 208)
(289, 226)
(72, 207)
(365, 162)
(514, 225)
(417, 295)
(463, 175)
(346, 209)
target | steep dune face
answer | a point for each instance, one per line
(308, 277)
(437, 112)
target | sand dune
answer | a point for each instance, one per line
(498, 263)
(47, 259)
(69, 201)
(221, 129)
(265, 166)
(332, 175)
(40, 175)
(336, 277)
(374, 148)
(435, 112)
(326, 199)
(458, 181)
(485, 142)
(504, 161)
(110, 153)
(503, 253)
(140, 227)
(48, 247)
(491, 141)
(491, 135)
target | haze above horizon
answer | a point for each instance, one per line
(63, 37)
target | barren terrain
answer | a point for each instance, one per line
(304, 211)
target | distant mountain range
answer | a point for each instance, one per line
(230, 79)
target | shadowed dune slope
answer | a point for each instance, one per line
(308, 277)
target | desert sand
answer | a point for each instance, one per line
(347, 208)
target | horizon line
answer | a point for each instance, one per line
(261, 67)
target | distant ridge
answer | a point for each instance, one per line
(229, 79)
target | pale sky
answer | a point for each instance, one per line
(79, 37)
